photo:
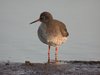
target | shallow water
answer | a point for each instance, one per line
(37, 51)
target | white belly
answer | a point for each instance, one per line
(48, 38)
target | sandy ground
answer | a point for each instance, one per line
(65, 68)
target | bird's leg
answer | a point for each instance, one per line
(48, 54)
(56, 54)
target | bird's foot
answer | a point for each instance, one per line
(48, 61)
(56, 61)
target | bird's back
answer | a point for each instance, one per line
(59, 27)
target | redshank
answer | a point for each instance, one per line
(51, 32)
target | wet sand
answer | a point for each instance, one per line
(62, 68)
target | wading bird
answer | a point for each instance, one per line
(51, 32)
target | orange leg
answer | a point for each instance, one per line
(48, 54)
(56, 54)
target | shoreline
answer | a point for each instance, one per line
(63, 68)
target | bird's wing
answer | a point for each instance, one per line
(63, 30)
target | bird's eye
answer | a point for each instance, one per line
(43, 17)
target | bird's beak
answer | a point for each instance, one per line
(35, 21)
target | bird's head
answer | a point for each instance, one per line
(45, 17)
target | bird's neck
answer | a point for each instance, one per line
(50, 22)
